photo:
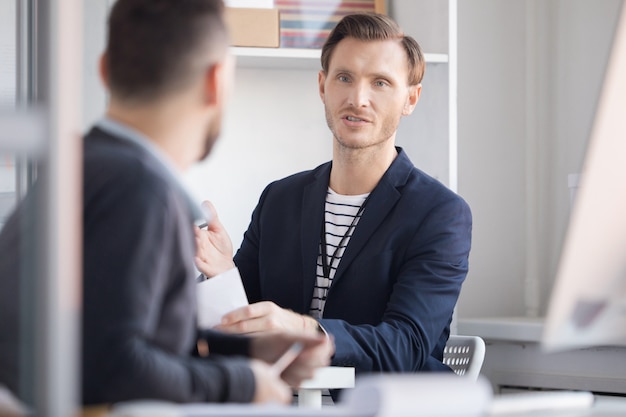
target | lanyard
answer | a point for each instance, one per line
(326, 265)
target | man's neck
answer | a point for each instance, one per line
(358, 171)
(161, 126)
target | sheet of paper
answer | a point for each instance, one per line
(218, 296)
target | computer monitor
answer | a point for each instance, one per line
(588, 302)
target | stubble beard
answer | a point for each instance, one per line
(211, 136)
(388, 130)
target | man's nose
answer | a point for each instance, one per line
(359, 95)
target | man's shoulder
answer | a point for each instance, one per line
(422, 187)
(107, 153)
(302, 178)
(111, 163)
(104, 147)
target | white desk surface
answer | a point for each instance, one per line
(330, 377)
(603, 407)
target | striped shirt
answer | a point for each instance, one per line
(341, 216)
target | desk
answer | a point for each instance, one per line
(608, 407)
(514, 358)
(309, 393)
(603, 407)
(330, 377)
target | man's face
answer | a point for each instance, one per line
(223, 84)
(366, 92)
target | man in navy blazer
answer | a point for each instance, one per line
(367, 247)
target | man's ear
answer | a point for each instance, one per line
(218, 80)
(321, 79)
(103, 69)
(414, 95)
(212, 80)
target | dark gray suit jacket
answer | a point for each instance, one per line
(390, 304)
(139, 316)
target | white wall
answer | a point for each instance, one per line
(529, 77)
(583, 41)
(274, 126)
(491, 148)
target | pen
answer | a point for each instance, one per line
(287, 357)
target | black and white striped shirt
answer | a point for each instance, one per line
(341, 216)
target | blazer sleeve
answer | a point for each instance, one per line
(139, 305)
(247, 257)
(420, 307)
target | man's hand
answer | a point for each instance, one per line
(316, 352)
(269, 387)
(214, 249)
(265, 316)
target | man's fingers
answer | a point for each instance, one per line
(235, 316)
(214, 220)
(253, 318)
(210, 208)
(248, 312)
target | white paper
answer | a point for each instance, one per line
(218, 296)
(423, 394)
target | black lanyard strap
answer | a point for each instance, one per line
(327, 266)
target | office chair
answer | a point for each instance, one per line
(465, 355)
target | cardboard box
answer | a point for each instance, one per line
(253, 27)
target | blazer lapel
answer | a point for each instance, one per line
(381, 201)
(312, 216)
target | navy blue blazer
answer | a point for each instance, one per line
(390, 304)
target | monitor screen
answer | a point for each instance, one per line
(588, 302)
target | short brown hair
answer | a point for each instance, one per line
(375, 27)
(157, 46)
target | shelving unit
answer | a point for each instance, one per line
(293, 58)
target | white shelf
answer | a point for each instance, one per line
(514, 329)
(277, 58)
(292, 58)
